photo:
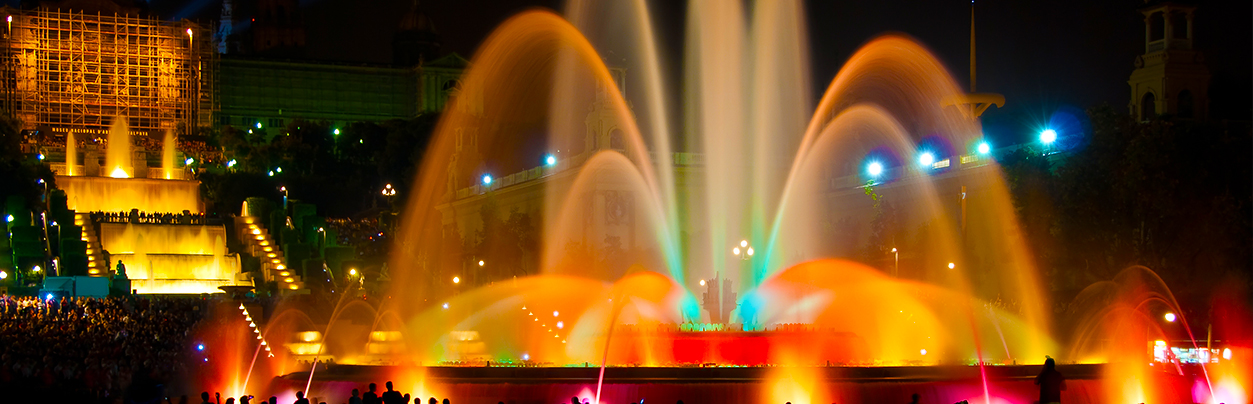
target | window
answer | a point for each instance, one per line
(1157, 27)
(1179, 23)
(276, 122)
(1148, 107)
(1185, 104)
(615, 140)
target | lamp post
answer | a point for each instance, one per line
(896, 263)
(744, 251)
(389, 192)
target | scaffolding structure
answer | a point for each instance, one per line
(66, 71)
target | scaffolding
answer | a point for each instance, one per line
(68, 71)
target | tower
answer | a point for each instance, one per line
(416, 41)
(279, 29)
(225, 24)
(1170, 77)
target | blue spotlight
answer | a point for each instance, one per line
(984, 148)
(487, 179)
(550, 160)
(926, 159)
(875, 169)
(1048, 136)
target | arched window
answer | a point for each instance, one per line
(1185, 104)
(1179, 23)
(1157, 27)
(615, 140)
(1148, 107)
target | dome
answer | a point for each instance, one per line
(416, 20)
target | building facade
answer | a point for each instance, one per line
(1170, 77)
(75, 71)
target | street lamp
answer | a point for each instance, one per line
(896, 262)
(744, 251)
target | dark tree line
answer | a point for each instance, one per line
(1172, 195)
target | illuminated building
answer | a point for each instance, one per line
(74, 71)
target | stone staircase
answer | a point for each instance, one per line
(258, 242)
(96, 266)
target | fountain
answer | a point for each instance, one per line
(71, 154)
(118, 159)
(168, 147)
(607, 303)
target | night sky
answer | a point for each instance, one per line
(1043, 56)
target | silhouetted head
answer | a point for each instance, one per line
(356, 392)
(433, 401)
(373, 387)
(446, 401)
(574, 400)
(915, 397)
(389, 385)
(1049, 364)
(230, 400)
(204, 396)
(300, 394)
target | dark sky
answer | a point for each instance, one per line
(1043, 56)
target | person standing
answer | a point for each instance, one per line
(392, 396)
(370, 397)
(1051, 383)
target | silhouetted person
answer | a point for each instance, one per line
(913, 399)
(1051, 383)
(392, 396)
(273, 400)
(574, 400)
(446, 401)
(204, 398)
(356, 397)
(300, 398)
(433, 400)
(230, 400)
(370, 397)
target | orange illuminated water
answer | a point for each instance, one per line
(765, 166)
(751, 186)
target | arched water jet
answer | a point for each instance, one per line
(513, 48)
(583, 14)
(606, 171)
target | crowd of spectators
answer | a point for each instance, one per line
(137, 217)
(367, 235)
(93, 347)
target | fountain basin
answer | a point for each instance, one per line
(92, 194)
(938, 384)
